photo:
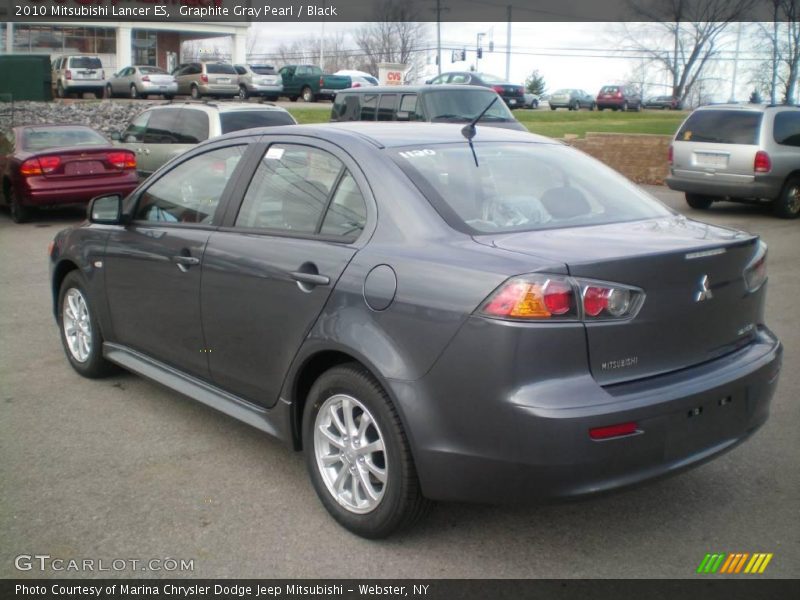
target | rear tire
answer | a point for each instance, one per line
(625, 106)
(134, 94)
(195, 93)
(243, 93)
(787, 206)
(372, 494)
(698, 201)
(79, 329)
(308, 95)
(60, 92)
(19, 212)
(552, 108)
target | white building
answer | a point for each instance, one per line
(120, 43)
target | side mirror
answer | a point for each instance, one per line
(105, 210)
(116, 136)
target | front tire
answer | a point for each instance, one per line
(109, 92)
(358, 455)
(80, 331)
(134, 92)
(787, 206)
(60, 91)
(698, 201)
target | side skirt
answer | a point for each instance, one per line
(275, 421)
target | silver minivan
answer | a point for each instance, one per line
(740, 153)
(76, 74)
(207, 79)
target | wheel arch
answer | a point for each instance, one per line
(61, 270)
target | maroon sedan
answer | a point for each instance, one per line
(48, 165)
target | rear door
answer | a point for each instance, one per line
(153, 266)
(269, 271)
(717, 145)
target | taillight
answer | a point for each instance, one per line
(613, 431)
(39, 166)
(356, 84)
(146, 78)
(618, 95)
(670, 154)
(50, 247)
(67, 74)
(204, 78)
(755, 273)
(122, 160)
(498, 88)
(762, 163)
(540, 296)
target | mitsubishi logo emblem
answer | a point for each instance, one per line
(704, 293)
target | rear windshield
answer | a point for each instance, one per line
(236, 121)
(263, 70)
(220, 69)
(464, 105)
(609, 89)
(721, 127)
(152, 71)
(522, 187)
(85, 62)
(60, 137)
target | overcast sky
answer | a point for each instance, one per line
(579, 55)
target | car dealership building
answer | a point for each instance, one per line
(120, 43)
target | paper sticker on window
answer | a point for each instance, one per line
(687, 135)
(274, 153)
(417, 153)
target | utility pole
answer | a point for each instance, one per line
(773, 88)
(322, 41)
(438, 37)
(478, 51)
(736, 63)
(508, 43)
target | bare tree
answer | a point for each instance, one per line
(394, 36)
(683, 35)
(777, 77)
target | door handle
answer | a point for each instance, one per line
(311, 279)
(184, 262)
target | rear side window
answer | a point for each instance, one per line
(135, 131)
(192, 127)
(721, 127)
(248, 119)
(386, 107)
(787, 128)
(220, 69)
(161, 126)
(369, 107)
(85, 62)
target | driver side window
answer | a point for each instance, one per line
(135, 131)
(190, 192)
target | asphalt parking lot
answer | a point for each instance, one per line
(125, 469)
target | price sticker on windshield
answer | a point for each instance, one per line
(417, 153)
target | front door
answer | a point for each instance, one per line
(154, 266)
(268, 275)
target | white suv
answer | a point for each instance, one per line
(76, 74)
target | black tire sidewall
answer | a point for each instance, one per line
(782, 203)
(354, 381)
(194, 92)
(96, 365)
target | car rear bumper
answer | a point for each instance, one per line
(231, 89)
(155, 88)
(709, 185)
(38, 193)
(532, 441)
(84, 85)
(265, 90)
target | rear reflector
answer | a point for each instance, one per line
(762, 163)
(612, 431)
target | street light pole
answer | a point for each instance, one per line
(478, 50)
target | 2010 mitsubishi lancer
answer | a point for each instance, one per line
(429, 312)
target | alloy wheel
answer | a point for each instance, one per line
(350, 453)
(77, 325)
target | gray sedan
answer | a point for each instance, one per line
(140, 82)
(428, 311)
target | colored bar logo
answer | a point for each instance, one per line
(734, 563)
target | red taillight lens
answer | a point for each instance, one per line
(762, 163)
(67, 74)
(122, 160)
(533, 297)
(146, 78)
(498, 88)
(39, 166)
(30, 167)
(670, 154)
(618, 94)
(356, 84)
(607, 301)
(204, 78)
(612, 431)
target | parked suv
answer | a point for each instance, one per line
(739, 153)
(619, 97)
(207, 79)
(76, 74)
(437, 104)
(259, 80)
(162, 132)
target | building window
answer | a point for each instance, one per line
(145, 48)
(59, 39)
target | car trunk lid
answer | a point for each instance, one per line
(84, 162)
(696, 306)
